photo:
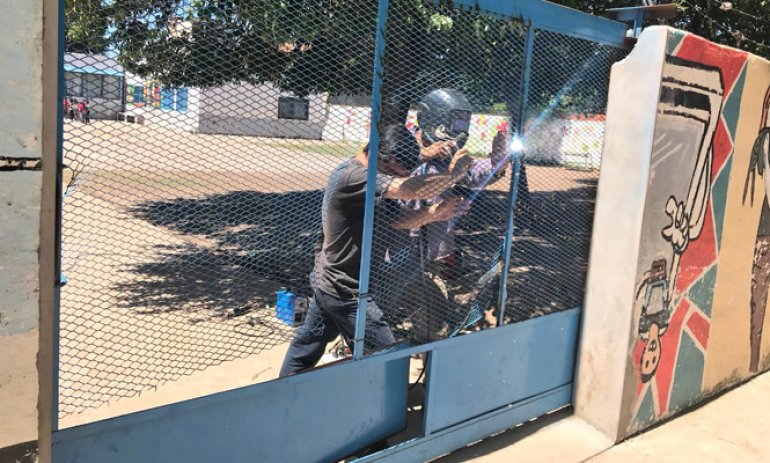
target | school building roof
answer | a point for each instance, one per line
(92, 64)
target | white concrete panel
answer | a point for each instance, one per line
(607, 316)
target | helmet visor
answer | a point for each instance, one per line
(461, 122)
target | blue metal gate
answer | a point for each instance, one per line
(490, 298)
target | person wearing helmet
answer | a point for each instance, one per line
(443, 126)
(334, 305)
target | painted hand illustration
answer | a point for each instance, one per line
(678, 231)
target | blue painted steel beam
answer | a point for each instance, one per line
(513, 192)
(56, 319)
(263, 422)
(456, 437)
(319, 416)
(371, 180)
(506, 330)
(556, 18)
(485, 374)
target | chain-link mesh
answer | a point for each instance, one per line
(437, 257)
(198, 138)
(564, 131)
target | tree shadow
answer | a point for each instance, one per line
(549, 261)
(549, 256)
(240, 247)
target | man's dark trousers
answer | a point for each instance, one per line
(327, 317)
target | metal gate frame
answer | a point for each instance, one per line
(527, 371)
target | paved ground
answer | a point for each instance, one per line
(18, 389)
(730, 428)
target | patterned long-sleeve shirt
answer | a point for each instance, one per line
(440, 235)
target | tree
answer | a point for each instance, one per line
(319, 46)
(746, 26)
(326, 46)
(85, 26)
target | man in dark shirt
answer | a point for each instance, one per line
(334, 305)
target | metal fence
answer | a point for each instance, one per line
(564, 130)
(198, 140)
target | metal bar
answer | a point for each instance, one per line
(430, 347)
(458, 436)
(50, 223)
(639, 22)
(242, 393)
(371, 180)
(526, 74)
(431, 377)
(555, 18)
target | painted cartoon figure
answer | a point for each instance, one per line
(688, 111)
(653, 321)
(760, 270)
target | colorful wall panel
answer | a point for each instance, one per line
(703, 266)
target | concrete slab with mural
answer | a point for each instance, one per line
(702, 261)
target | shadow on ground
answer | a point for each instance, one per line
(242, 246)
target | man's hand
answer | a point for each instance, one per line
(460, 164)
(499, 149)
(677, 232)
(438, 150)
(448, 208)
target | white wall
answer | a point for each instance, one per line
(21, 136)
(243, 109)
(622, 192)
(188, 120)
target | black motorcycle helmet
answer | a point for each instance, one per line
(444, 115)
(397, 144)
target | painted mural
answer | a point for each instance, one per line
(760, 270)
(680, 251)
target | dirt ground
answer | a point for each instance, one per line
(174, 244)
(18, 389)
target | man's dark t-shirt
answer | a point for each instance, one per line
(339, 263)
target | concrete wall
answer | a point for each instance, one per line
(676, 200)
(21, 137)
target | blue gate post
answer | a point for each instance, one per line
(514, 190)
(60, 278)
(371, 180)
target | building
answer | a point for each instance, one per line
(98, 79)
(149, 102)
(243, 109)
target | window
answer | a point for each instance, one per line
(181, 99)
(135, 95)
(92, 86)
(167, 99)
(73, 83)
(111, 87)
(154, 95)
(293, 108)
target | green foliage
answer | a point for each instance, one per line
(747, 26)
(326, 46)
(85, 26)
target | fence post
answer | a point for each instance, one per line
(514, 189)
(371, 180)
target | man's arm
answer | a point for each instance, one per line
(485, 172)
(432, 185)
(439, 212)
